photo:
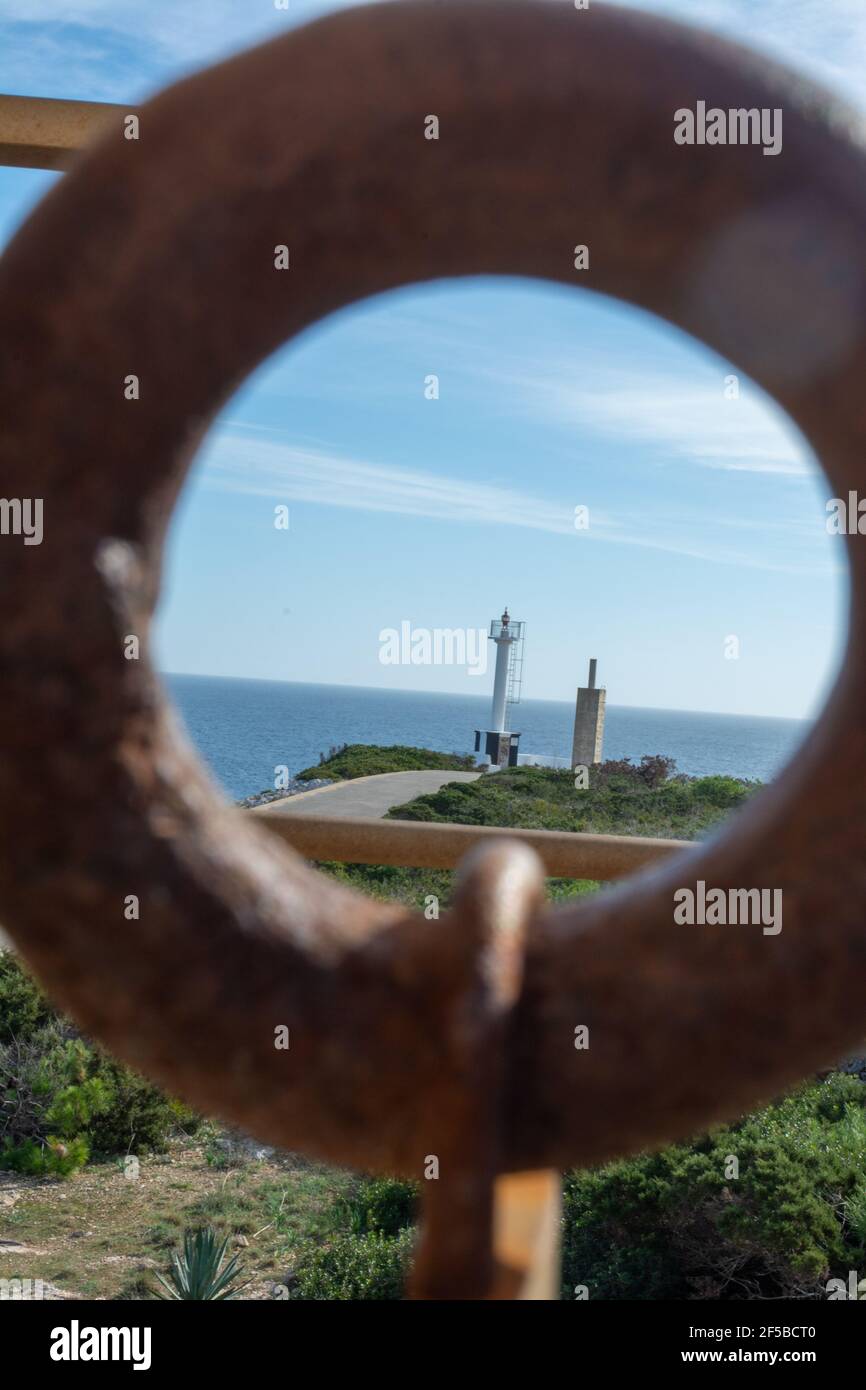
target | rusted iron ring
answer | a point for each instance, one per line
(155, 257)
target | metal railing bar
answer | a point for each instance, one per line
(422, 845)
(43, 133)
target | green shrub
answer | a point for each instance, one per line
(55, 1158)
(369, 759)
(57, 1089)
(355, 1267)
(386, 1205)
(390, 883)
(855, 1214)
(140, 1117)
(49, 1086)
(23, 1007)
(673, 1225)
(621, 799)
(76, 1098)
(49, 1095)
(723, 792)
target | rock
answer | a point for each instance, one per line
(51, 1294)
(140, 1262)
(241, 1148)
(294, 788)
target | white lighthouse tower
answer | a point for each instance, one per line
(500, 743)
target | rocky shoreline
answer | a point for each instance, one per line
(294, 788)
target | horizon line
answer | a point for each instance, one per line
(464, 695)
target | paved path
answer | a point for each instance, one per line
(366, 796)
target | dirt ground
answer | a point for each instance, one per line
(102, 1234)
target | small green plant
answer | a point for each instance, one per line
(216, 1157)
(355, 1267)
(50, 1094)
(139, 1118)
(219, 1150)
(62, 1097)
(55, 1158)
(200, 1272)
(386, 1205)
(23, 1007)
(855, 1214)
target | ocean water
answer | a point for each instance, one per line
(244, 729)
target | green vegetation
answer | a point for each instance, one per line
(384, 1205)
(770, 1207)
(200, 1271)
(63, 1098)
(140, 1117)
(23, 1006)
(351, 1267)
(367, 760)
(678, 1225)
(50, 1092)
(621, 799)
(391, 883)
(368, 1254)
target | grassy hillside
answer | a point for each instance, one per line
(369, 759)
(621, 799)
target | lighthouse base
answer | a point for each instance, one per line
(499, 747)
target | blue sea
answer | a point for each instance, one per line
(244, 729)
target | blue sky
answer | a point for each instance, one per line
(707, 516)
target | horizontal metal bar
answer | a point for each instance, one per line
(420, 844)
(41, 133)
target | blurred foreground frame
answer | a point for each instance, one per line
(155, 256)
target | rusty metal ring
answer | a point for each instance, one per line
(156, 257)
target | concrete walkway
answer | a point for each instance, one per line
(370, 797)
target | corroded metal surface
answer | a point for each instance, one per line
(499, 889)
(156, 258)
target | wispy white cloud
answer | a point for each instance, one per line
(684, 420)
(265, 467)
(184, 31)
(112, 49)
(289, 472)
(679, 408)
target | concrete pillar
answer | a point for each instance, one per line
(588, 722)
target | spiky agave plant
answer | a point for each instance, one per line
(197, 1271)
